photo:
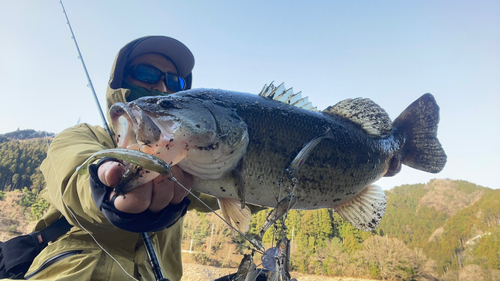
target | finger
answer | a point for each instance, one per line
(136, 201)
(110, 173)
(163, 191)
(166, 192)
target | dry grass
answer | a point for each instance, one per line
(197, 272)
(443, 197)
(13, 221)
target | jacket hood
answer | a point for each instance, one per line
(171, 48)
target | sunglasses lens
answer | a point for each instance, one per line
(175, 83)
(150, 74)
(147, 74)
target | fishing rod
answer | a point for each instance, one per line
(153, 258)
(90, 85)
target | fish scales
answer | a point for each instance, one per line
(239, 146)
(336, 170)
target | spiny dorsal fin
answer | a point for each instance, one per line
(287, 96)
(364, 112)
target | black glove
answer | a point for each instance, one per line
(146, 221)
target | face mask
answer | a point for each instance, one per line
(139, 92)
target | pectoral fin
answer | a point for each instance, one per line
(239, 183)
(233, 213)
(366, 209)
(300, 159)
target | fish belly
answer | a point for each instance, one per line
(332, 175)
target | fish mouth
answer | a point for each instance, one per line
(189, 136)
(165, 136)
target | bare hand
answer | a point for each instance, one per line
(154, 195)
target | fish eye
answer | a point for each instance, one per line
(166, 103)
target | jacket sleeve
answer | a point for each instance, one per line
(84, 194)
(66, 189)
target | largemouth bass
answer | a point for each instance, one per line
(242, 147)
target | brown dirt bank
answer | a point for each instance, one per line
(197, 272)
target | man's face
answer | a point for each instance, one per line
(159, 62)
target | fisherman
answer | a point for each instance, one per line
(105, 241)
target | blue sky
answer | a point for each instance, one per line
(389, 51)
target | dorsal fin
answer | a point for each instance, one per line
(364, 112)
(287, 96)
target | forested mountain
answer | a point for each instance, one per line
(21, 153)
(24, 135)
(443, 230)
(449, 220)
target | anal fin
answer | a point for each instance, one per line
(366, 209)
(233, 213)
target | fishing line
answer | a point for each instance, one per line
(294, 185)
(106, 128)
(90, 85)
(275, 232)
(212, 210)
(285, 216)
(74, 216)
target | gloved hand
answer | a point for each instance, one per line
(154, 195)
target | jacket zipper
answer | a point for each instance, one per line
(53, 260)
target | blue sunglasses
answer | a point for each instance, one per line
(150, 74)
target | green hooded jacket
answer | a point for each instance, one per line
(109, 253)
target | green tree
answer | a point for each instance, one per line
(38, 208)
(19, 162)
(30, 197)
(489, 249)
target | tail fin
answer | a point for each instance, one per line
(418, 123)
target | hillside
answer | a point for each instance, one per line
(439, 230)
(448, 220)
(24, 135)
(21, 154)
(14, 218)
